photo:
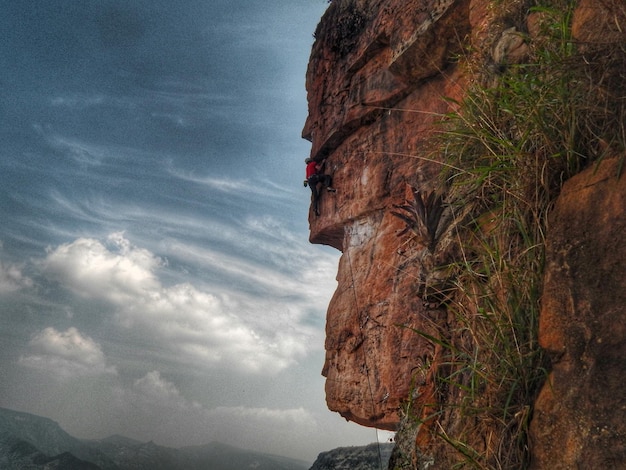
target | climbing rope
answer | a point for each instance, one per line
(363, 342)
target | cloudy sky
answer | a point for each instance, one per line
(156, 279)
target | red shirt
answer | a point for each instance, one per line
(311, 169)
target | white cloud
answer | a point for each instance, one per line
(12, 279)
(262, 427)
(275, 416)
(66, 354)
(230, 328)
(158, 390)
(91, 270)
(77, 101)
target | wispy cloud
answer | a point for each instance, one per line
(245, 187)
(156, 389)
(248, 426)
(78, 100)
(297, 416)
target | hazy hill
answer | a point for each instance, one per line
(19, 454)
(29, 442)
(26, 439)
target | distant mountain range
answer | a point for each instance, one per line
(29, 442)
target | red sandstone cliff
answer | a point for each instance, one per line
(381, 75)
(374, 98)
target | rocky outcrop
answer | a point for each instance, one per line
(376, 85)
(581, 408)
(382, 74)
(370, 457)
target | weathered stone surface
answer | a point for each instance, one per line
(579, 415)
(599, 22)
(371, 106)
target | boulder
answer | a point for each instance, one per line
(579, 414)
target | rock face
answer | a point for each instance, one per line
(381, 75)
(581, 409)
(376, 82)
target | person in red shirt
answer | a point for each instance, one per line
(314, 176)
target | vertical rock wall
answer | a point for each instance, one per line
(377, 80)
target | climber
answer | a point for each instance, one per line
(314, 176)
